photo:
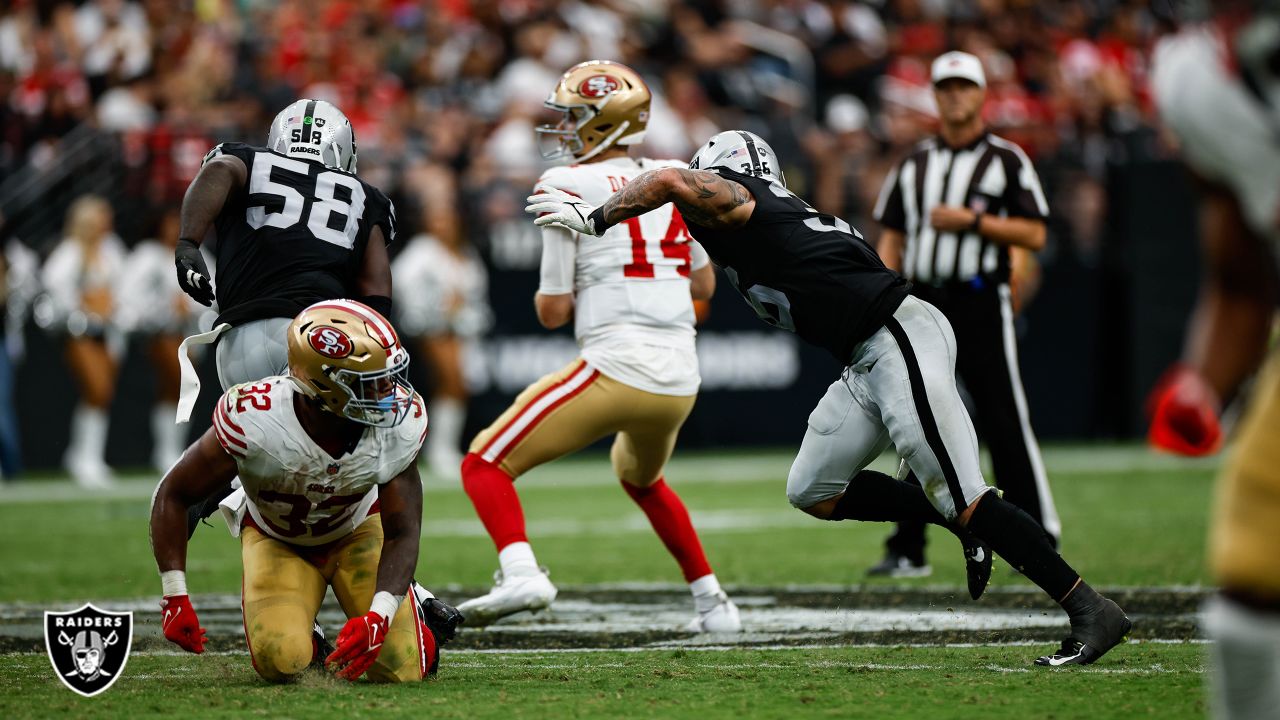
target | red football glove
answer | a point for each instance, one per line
(1184, 414)
(358, 645)
(180, 624)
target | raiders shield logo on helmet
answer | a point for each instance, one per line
(88, 647)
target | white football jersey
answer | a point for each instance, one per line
(633, 317)
(296, 491)
(1226, 134)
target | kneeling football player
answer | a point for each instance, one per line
(328, 458)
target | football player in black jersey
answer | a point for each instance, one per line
(814, 275)
(294, 225)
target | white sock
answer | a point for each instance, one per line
(706, 592)
(446, 417)
(88, 434)
(517, 560)
(166, 436)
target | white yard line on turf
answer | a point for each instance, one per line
(693, 469)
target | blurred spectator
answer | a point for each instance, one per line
(441, 301)
(80, 278)
(449, 91)
(153, 306)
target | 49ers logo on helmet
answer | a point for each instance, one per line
(597, 86)
(330, 342)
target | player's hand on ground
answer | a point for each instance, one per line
(180, 624)
(193, 274)
(560, 209)
(358, 645)
(1184, 414)
(949, 218)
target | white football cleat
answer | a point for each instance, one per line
(721, 618)
(509, 595)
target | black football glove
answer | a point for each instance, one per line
(193, 274)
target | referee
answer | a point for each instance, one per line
(951, 211)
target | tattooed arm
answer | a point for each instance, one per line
(703, 198)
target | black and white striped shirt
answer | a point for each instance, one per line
(990, 175)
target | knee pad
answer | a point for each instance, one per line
(279, 658)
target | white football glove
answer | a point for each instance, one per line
(560, 209)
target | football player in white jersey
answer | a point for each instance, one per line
(1217, 88)
(629, 294)
(327, 456)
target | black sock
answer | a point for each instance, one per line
(876, 497)
(1014, 536)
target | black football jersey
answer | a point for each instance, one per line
(802, 270)
(295, 234)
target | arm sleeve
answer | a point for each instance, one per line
(889, 211)
(1023, 195)
(698, 257)
(559, 256)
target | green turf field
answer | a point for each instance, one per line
(1156, 681)
(1131, 519)
(1134, 519)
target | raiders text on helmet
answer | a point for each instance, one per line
(604, 104)
(314, 130)
(347, 356)
(740, 151)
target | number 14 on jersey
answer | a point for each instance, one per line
(674, 243)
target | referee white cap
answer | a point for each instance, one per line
(958, 65)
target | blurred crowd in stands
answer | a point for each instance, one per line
(444, 95)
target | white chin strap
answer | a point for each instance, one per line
(606, 143)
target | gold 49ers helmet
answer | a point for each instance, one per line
(604, 104)
(347, 356)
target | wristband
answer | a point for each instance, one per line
(385, 604)
(977, 223)
(173, 582)
(598, 223)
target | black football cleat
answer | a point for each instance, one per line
(442, 619)
(320, 645)
(897, 565)
(1092, 635)
(977, 564)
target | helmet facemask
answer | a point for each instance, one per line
(601, 104)
(379, 398)
(349, 358)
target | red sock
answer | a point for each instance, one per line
(670, 520)
(493, 493)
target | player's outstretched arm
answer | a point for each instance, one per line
(203, 468)
(361, 638)
(703, 197)
(401, 502)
